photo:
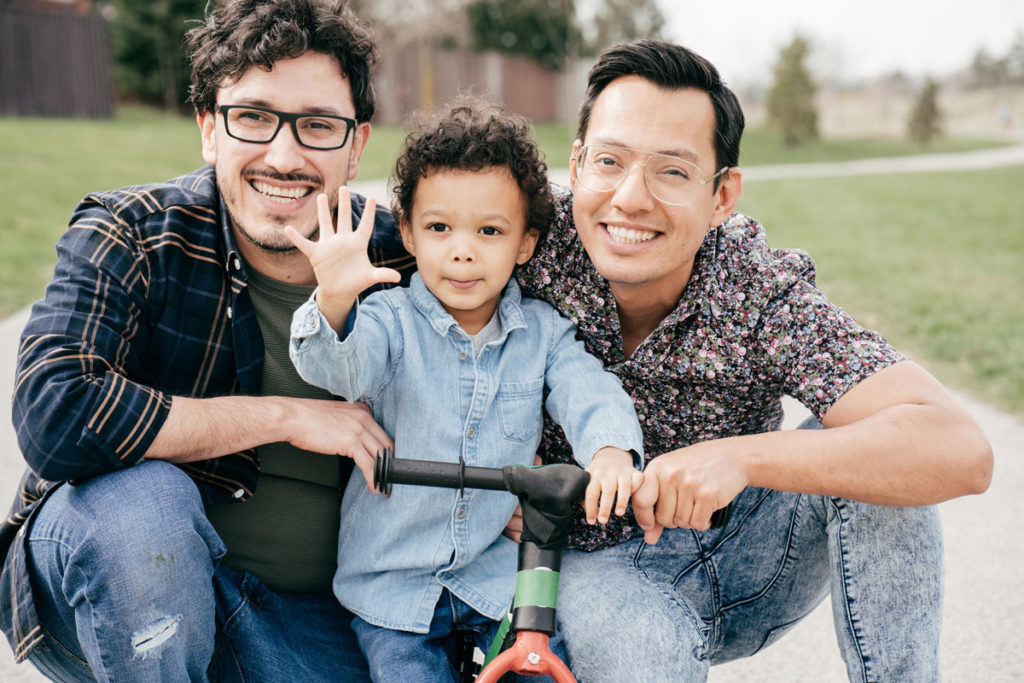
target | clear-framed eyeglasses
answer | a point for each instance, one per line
(671, 180)
(259, 124)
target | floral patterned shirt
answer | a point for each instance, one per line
(749, 328)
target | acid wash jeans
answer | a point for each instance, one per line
(666, 612)
(126, 582)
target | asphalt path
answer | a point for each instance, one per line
(984, 535)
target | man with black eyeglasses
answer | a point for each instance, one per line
(708, 327)
(179, 519)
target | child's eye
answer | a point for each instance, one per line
(490, 230)
(438, 227)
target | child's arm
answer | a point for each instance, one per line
(613, 479)
(339, 257)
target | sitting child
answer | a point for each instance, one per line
(456, 365)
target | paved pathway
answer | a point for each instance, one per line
(984, 611)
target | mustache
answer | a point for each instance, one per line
(283, 177)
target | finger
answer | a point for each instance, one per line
(700, 518)
(514, 528)
(372, 434)
(366, 221)
(590, 500)
(652, 535)
(323, 213)
(665, 510)
(622, 496)
(386, 275)
(644, 500)
(344, 222)
(605, 503)
(365, 462)
(304, 245)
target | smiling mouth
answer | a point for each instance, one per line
(280, 195)
(629, 235)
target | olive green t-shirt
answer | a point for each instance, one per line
(286, 533)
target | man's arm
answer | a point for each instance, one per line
(204, 428)
(896, 438)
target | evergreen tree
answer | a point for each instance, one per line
(925, 120)
(790, 102)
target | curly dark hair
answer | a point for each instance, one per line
(471, 134)
(239, 34)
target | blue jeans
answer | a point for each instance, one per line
(402, 656)
(668, 611)
(126, 581)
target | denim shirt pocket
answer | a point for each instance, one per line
(520, 409)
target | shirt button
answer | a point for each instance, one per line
(238, 264)
(461, 513)
(462, 355)
(238, 494)
(471, 433)
(230, 312)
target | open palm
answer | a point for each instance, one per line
(339, 256)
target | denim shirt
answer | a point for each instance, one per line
(412, 364)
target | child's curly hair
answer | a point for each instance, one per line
(473, 134)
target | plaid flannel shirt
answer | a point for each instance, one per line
(148, 301)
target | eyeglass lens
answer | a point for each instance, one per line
(669, 178)
(257, 125)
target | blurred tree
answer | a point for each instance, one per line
(553, 32)
(987, 71)
(543, 30)
(790, 101)
(624, 20)
(149, 57)
(925, 121)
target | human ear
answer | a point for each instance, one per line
(406, 230)
(573, 169)
(730, 186)
(527, 245)
(360, 136)
(207, 127)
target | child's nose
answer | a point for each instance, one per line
(462, 250)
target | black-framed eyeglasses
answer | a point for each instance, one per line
(261, 125)
(671, 179)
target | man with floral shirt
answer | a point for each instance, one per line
(708, 327)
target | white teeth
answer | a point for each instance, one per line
(281, 195)
(629, 236)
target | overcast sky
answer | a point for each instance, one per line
(851, 39)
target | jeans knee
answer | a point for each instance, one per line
(141, 531)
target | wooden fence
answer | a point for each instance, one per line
(54, 64)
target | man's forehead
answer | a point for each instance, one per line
(312, 82)
(636, 113)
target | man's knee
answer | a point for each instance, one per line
(140, 531)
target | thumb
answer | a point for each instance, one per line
(636, 481)
(386, 275)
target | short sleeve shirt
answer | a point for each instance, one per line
(750, 327)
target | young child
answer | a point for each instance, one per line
(456, 364)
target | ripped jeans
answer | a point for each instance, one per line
(126, 582)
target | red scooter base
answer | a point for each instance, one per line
(528, 656)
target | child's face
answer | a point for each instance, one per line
(467, 230)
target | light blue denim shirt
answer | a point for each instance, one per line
(412, 364)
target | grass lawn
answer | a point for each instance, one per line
(933, 259)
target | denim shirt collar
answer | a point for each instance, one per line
(510, 309)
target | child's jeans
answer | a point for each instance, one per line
(402, 656)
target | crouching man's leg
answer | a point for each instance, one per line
(121, 569)
(887, 584)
